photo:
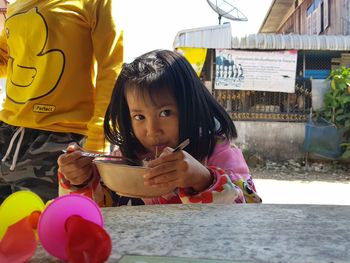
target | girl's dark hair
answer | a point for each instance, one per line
(201, 117)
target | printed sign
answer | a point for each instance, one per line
(256, 70)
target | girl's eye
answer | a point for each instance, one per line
(165, 113)
(138, 117)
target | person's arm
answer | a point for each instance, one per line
(232, 161)
(92, 188)
(77, 174)
(232, 182)
(3, 54)
(108, 50)
(221, 191)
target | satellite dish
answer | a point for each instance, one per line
(225, 9)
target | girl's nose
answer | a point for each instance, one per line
(153, 128)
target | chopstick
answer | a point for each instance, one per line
(182, 145)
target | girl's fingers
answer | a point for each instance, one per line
(78, 176)
(164, 168)
(84, 161)
(67, 158)
(74, 158)
(80, 179)
(173, 156)
(74, 147)
(168, 184)
(165, 179)
(166, 151)
(76, 165)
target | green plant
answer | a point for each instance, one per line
(336, 107)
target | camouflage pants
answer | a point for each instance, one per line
(36, 166)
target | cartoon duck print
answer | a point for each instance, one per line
(30, 62)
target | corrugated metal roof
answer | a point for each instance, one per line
(292, 41)
(220, 37)
(205, 37)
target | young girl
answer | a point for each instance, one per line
(157, 102)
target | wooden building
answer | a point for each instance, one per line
(311, 17)
(267, 119)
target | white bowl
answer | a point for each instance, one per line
(127, 180)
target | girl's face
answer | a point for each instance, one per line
(154, 123)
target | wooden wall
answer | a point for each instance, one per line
(339, 19)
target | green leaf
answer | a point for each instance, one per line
(344, 99)
(333, 85)
(345, 155)
(339, 111)
(341, 85)
(347, 123)
(344, 117)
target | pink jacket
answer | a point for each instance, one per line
(232, 183)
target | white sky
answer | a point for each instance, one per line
(153, 24)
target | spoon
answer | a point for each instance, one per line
(180, 147)
(95, 155)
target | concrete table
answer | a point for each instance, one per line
(235, 233)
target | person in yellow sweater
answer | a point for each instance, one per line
(60, 60)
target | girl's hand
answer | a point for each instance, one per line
(178, 169)
(74, 167)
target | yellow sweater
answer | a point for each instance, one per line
(62, 59)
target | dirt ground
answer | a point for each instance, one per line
(297, 170)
